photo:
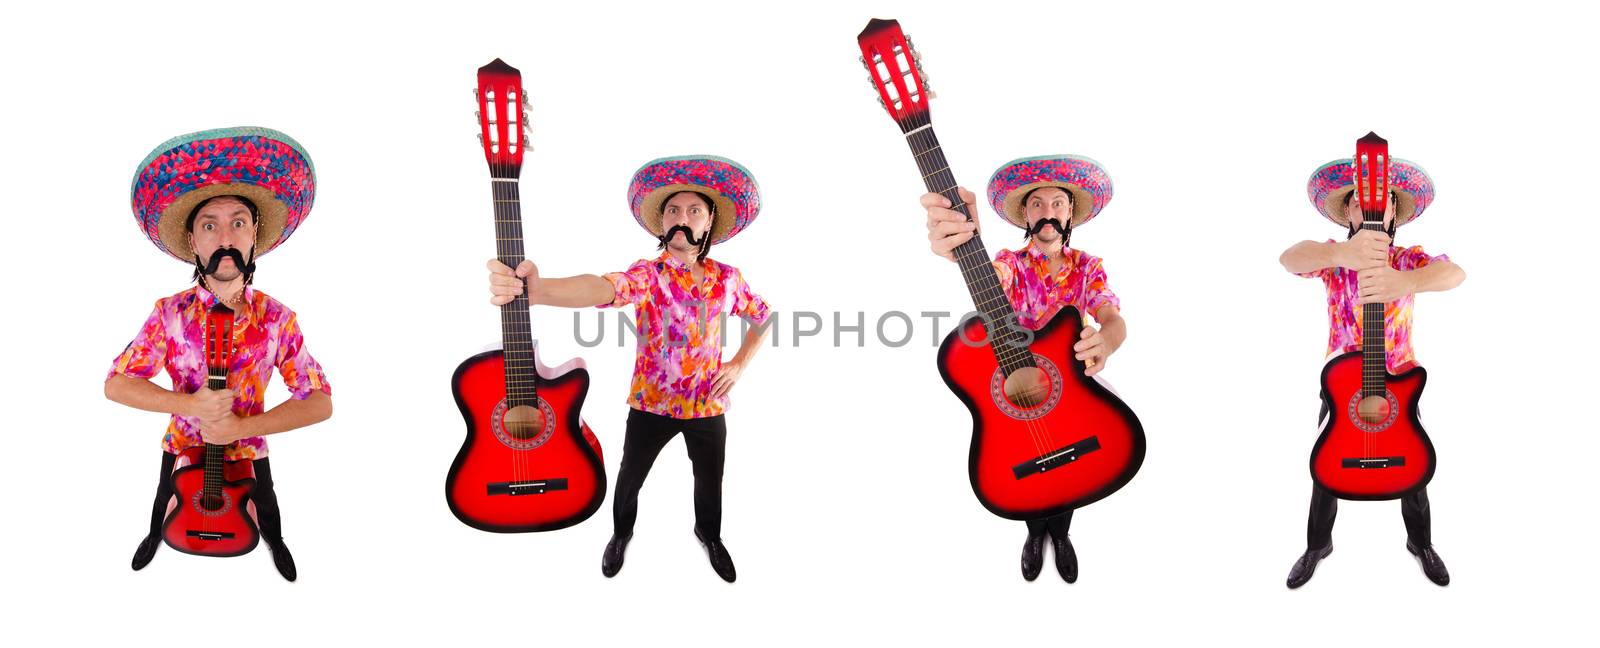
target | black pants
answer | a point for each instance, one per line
(265, 499)
(706, 440)
(1325, 506)
(1057, 525)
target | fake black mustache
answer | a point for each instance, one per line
(1039, 227)
(688, 235)
(228, 253)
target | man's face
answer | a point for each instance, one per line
(223, 223)
(689, 210)
(1048, 202)
(1352, 210)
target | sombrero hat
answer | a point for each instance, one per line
(1082, 177)
(732, 190)
(1333, 181)
(261, 164)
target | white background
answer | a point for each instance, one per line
(847, 505)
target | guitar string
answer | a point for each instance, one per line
(508, 237)
(1373, 369)
(986, 290)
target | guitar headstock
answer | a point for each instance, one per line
(219, 340)
(1371, 175)
(502, 118)
(896, 71)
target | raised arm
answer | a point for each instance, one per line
(1436, 277)
(1367, 249)
(581, 291)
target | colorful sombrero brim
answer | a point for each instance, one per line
(731, 187)
(261, 164)
(1333, 181)
(1084, 178)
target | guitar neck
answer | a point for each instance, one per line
(1374, 362)
(516, 333)
(216, 378)
(976, 270)
(1371, 177)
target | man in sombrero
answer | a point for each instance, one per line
(217, 200)
(680, 381)
(1367, 268)
(1048, 197)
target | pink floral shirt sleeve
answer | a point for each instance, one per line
(1037, 293)
(1344, 308)
(681, 335)
(266, 337)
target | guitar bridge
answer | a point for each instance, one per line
(1056, 459)
(209, 535)
(528, 486)
(1372, 462)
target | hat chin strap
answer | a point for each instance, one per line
(250, 267)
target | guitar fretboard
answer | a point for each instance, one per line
(219, 354)
(516, 333)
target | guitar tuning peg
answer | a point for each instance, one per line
(915, 55)
(932, 94)
(881, 102)
(480, 139)
(474, 93)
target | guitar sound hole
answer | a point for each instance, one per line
(211, 502)
(1027, 387)
(523, 422)
(1373, 409)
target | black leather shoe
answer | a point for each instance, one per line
(1432, 565)
(146, 551)
(1307, 565)
(1032, 556)
(1066, 558)
(611, 560)
(721, 562)
(282, 559)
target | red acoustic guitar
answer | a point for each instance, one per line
(529, 462)
(208, 515)
(1045, 438)
(1372, 445)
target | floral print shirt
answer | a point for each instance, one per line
(1037, 293)
(1344, 308)
(680, 331)
(266, 335)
